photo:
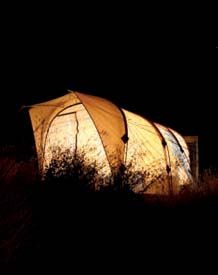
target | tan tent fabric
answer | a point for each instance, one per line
(74, 130)
(179, 161)
(110, 125)
(146, 153)
(110, 136)
(41, 116)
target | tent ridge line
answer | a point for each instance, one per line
(167, 154)
(96, 130)
(43, 149)
(126, 133)
(176, 139)
(180, 146)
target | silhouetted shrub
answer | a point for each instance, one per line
(65, 168)
(43, 220)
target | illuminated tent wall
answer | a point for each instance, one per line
(111, 136)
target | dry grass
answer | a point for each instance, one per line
(30, 211)
(208, 182)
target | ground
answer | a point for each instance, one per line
(41, 223)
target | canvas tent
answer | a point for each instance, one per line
(111, 136)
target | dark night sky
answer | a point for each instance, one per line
(163, 72)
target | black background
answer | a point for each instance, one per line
(157, 65)
(156, 61)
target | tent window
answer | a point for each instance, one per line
(74, 131)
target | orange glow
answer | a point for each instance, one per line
(96, 128)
